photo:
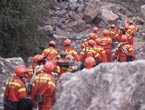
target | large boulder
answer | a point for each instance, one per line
(108, 15)
(108, 86)
(91, 12)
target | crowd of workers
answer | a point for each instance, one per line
(35, 86)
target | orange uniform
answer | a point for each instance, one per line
(64, 65)
(50, 53)
(112, 34)
(130, 33)
(95, 30)
(89, 52)
(31, 71)
(123, 51)
(43, 86)
(72, 52)
(101, 52)
(118, 35)
(84, 44)
(106, 44)
(15, 90)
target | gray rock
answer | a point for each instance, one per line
(74, 5)
(61, 32)
(91, 11)
(108, 15)
(47, 28)
(74, 15)
(77, 26)
(142, 8)
(109, 86)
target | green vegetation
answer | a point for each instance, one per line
(19, 21)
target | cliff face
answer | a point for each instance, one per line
(112, 86)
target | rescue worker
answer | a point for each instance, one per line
(89, 51)
(64, 63)
(118, 35)
(92, 36)
(51, 51)
(132, 26)
(106, 43)
(89, 62)
(124, 52)
(69, 50)
(84, 44)
(95, 30)
(43, 90)
(99, 49)
(37, 66)
(131, 31)
(112, 31)
(33, 70)
(15, 91)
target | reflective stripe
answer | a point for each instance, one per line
(42, 78)
(13, 83)
(58, 69)
(51, 83)
(71, 52)
(39, 69)
(82, 53)
(97, 55)
(22, 90)
(130, 49)
(103, 52)
(91, 51)
(106, 39)
(50, 50)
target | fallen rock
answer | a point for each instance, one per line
(77, 26)
(142, 8)
(74, 15)
(108, 15)
(108, 86)
(61, 32)
(91, 12)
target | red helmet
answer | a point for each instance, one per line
(91, 36)
(112, 25)
(67, 42)
(37, 58)
(91, 42)
(95, 29)
(105, 32)
(124, 38)
(90, 62)
(21, 70)
(130, 22)
(126, 25)
(53, 43)
(98, 40)
(49, 66)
